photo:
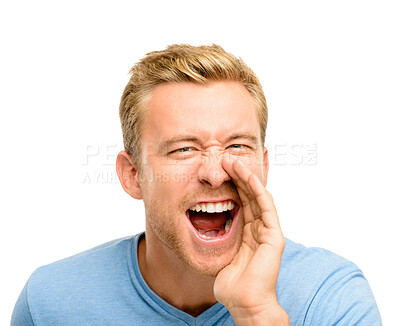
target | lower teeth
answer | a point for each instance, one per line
(228, 225)
(205, 237)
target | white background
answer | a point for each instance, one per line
(330, 71)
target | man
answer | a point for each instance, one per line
(193, 122)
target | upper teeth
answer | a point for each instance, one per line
(214, 207)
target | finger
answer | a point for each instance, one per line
(256, 190)
(227, 164)
(247, 210)
(245, 174)
(245, 193)
(239, 174)
(264, 199)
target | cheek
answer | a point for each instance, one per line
(181, 173)
(165, 179)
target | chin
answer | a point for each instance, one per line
(211, 263)
(210, 270)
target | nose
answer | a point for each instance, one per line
(211, 172)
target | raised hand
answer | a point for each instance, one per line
(247, 286)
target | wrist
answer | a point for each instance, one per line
(261, 315)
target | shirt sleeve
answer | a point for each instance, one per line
(347, 302)
(21, 315)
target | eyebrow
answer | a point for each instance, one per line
(177, 139)
(251, 138)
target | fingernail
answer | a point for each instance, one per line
(239, 162)
(228, 159)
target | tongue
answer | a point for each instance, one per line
(207, 221)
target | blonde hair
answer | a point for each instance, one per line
(182, 63)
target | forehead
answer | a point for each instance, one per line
(209, 112)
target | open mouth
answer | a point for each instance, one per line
(212, 220)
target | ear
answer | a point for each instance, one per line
(265, 166)
(128, 175)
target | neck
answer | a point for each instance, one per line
(173, 280)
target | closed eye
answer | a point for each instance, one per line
(238, 146)
(182, 150)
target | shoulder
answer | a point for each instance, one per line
(313, 263)
(71, 284)
(97, 259)
(304, 271)
(316, 282)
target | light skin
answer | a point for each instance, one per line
(201, 143)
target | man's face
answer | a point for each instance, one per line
(188, 130)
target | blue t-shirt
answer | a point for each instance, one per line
(104, 286)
